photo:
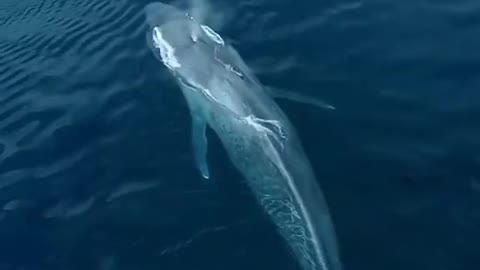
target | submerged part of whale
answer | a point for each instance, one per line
(159, 13)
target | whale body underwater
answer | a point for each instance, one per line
(224, 94)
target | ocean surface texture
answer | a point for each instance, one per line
(96, 167)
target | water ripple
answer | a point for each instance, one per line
(49, 51)
(62, 64)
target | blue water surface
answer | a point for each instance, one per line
(96, 168)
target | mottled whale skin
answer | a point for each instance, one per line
(223, 93)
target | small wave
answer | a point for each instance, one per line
(17, 204)
(129, 188)
(67, 209)
(12, 177)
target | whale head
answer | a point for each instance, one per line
(170, 33)
(194, 53)
(175, 36)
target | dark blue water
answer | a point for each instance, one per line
(96, 168)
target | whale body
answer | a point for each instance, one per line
(223, 93)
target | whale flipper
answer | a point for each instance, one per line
(297, 97)
(199, 143)
(275, 92)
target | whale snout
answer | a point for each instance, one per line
(158, 13)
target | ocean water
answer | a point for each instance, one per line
(96, 168)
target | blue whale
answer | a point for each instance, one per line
(224, 94)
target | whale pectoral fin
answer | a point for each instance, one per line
(297, 97)
(199, 143)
